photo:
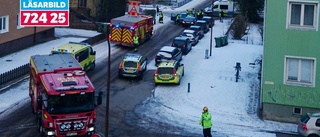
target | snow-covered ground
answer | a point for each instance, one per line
(233, 105)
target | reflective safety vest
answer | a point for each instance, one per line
(160, 15)
(178, 17)
(205, 120)
(135, 40)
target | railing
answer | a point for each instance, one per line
(14, 74)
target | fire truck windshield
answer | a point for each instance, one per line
(69, 103)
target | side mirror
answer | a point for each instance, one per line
(100, 98)
(93, 53)
(181, 64)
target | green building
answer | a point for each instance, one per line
(290, 70)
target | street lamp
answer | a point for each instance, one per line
(106, 32)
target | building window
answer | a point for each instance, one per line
(299, 71)
(83, 3)
(297, 111)
(4, 24)
(303, 15)
(18, 22)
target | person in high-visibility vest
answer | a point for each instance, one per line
(160, 17)
(136, 40)
(206, 122)
(178, 19)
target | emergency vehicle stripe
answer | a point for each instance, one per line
(127, 36)
(116, 34)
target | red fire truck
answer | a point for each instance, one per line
(124, 28)
(62, 96)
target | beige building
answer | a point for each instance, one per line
(13, 37)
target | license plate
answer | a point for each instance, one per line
(71, 134)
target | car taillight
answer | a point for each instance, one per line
(183, 22)
(174, 73)
(120, 66)
(172, 45)
(156, 73)
(192, 38)
(192, 22)
(304, 126)
(184, 46)
(139, 67)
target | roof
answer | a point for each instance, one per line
(189, 31)
(180, 38)
(167, 64)
(51, 62)
(195, 26)
(71, 47)
(127, 20)
(167, 48)
(75, 81)
(201, 21)
(132, 57)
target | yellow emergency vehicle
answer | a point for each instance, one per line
(83, 52)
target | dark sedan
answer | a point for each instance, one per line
(188, 21)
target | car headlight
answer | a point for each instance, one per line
(91, 129)
(50, 133)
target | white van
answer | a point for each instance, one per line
(228, 8)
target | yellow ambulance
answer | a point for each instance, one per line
(83, 52)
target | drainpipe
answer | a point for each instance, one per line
(34, 35)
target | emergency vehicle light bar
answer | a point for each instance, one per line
(82, 43)
(71, 88)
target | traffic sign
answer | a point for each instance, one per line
(44, 13)
(133, 6)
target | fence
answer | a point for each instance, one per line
(14, 74)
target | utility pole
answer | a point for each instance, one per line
(211, 41)
(108, 72)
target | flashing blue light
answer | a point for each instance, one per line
(131, 28)
(117, 26)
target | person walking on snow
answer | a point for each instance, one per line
(157, 8)
(206, 122)
(221, 15)
(160, 17)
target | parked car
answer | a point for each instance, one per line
(198, 30)
(169, 72)
(183, 43)
(132, 65)
(188, 21)
(203, 24)
(209, 20)
(192, 35)
(167, 53)
(309, 125)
